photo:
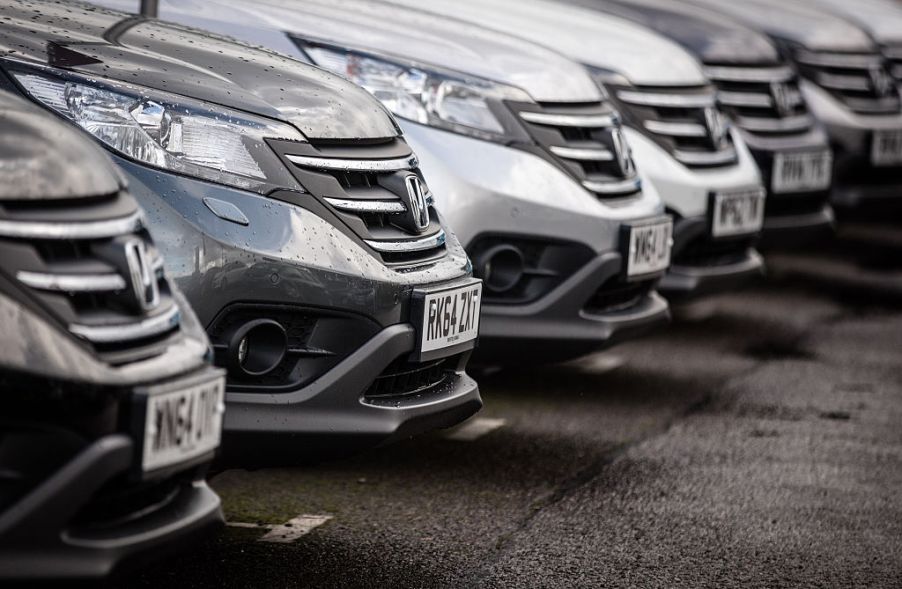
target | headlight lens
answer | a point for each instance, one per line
(169, 132)
(441, 99)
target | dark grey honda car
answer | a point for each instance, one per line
(109, 410)
(292, 214)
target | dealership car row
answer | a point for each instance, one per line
(348, 195)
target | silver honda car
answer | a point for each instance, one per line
(523, 153)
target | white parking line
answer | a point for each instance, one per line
(475, 429)
(287, 532)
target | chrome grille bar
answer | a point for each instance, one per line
(843, 82)
(703, 158)
(676, 129)
(146, 328)
(85, 230)
(750, 74)
(408, 245)
(874, 105)
(840, 60)
(583, 154)
(666, 100)
(569, 120)
(749, 99)
(786, 124)
(355, 165)
(367, 206)
(72, 282)
(628, 186)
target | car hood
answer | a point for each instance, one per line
(42, 158)
(155, 54)
(397, 32)
(792, 21)
(713, 38)
(584, 35)
(881, 18)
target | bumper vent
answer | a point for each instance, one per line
(94, 268)
(587, 141)
(377, 191)
(684, 121)
(762, 100)
(315, 342)
(861, 80)
(405, 379)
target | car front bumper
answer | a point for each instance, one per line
(334, 416)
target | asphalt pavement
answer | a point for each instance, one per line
(757, 442)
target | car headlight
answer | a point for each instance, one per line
(455, 102)
(168, 131)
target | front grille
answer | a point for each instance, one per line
(614, 296)
(93, 267)
(860, 80)
(377, 191)
(684, 121)
(763, 100)
(316, 342)
(405, 379)
(586, 140)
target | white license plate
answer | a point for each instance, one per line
(649, 247)
(738, 213)
(182, 424)
(450, 317)
(795, 172)
(886, 149)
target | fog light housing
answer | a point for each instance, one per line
(500, 267)
(257, 347)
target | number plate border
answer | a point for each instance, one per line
(418, 310)
(625, 231)
(872, 160)
(138, 414)
(783, 154)
(712, 201)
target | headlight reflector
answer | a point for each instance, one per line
(424, 95)
(170, 132)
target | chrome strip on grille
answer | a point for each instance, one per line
(840, 60)
(676, 129)
(666, 100)
(702, 158)
(351, 165)
(86, 230)
(842, 82)
(787, 124)
(873, 105)
(409, 245)
(583, 154)
(564, 120)
(367, 206)
(747, 99)
(750, 74)
(72, 282)
(627, 186)
(106, 334)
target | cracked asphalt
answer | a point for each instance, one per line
(757, 442)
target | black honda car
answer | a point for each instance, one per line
(759, 89)
(291, 213)
(109, 410)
